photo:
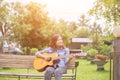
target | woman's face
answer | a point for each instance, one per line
(59, 42)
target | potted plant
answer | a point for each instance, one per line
(91, 54)
(100, 60)
(101, 57)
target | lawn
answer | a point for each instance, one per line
(85, 71)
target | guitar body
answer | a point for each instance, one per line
(41, 64)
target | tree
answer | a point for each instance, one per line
(30, 24)
(109, 10)
(72, 26)
(62, 28)
(83, 21)
(82, 32)
(96, 35)
(83, 26)
(25, 22)
(4, 22)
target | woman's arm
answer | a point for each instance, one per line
(68, 59)
(39, 54)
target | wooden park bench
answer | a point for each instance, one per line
(8, 61)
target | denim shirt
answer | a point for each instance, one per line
(60, 52)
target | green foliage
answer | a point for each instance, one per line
(92, 52)
(108, 9)
(105, 49)
(83, 32)
(83, 27)
(60, 28)
(85, 48)
(109, 37)
(33, 50)
(72, 26)
(30, 25)
(96, 35)
(83, 21)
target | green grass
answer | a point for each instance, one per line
(85, 71)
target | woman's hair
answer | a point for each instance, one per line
(53, 41)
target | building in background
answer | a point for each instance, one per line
(77, 42)
(75, 46)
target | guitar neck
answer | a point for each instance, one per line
(60, 57)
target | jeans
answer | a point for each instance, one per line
(56, 71)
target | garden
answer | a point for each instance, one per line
(30, 27)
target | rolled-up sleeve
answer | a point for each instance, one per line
(42, 51)
(67, 53)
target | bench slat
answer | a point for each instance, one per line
(34, 75)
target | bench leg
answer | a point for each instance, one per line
(73, 78)
(18, 77)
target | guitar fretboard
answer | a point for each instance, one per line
(60, 57)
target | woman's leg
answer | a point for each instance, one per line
(48, 73)
(58, 72)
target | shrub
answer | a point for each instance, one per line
(92, 52)
(105, 49)
(85, 48)
(33, 50)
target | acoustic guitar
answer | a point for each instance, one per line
(41, 64)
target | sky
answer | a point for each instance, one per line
(68, 10)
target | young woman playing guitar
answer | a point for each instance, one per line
(58, 67)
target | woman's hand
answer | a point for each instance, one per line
(71, 56)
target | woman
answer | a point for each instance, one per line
(56, 45)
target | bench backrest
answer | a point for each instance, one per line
(16, 61)
(22, 61)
